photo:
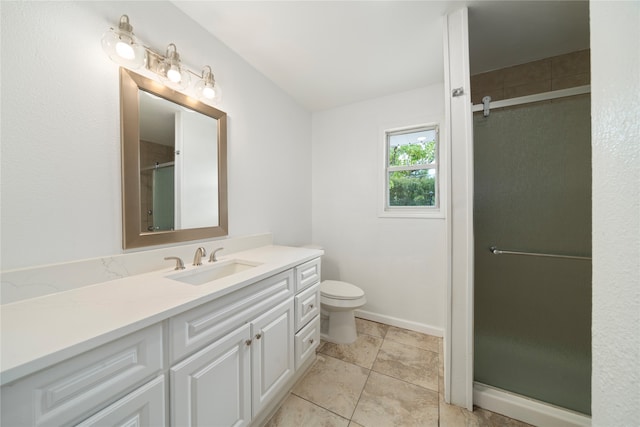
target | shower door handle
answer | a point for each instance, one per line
(494, 250)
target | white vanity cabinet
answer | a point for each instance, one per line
(272, 357)
(213, 387)
(75, 389)
(194, 329)
(142, 407)
(239, 372)
(307, 274)
(307, 340)
(307, 311)
(226, 362)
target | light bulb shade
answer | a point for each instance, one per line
(206, 88)
(122, 47)
(171, 72)
(175, 76)
(208, 91)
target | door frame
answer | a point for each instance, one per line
(458, 348)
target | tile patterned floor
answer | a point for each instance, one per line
(389, 377)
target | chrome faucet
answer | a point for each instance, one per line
(213, 258)
(197, 258)
(179, 263)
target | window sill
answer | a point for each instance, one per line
(408, 213)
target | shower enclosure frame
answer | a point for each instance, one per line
(459, 298)
(495, 399)
(544, 96)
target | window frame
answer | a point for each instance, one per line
(436, 211)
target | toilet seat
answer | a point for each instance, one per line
(338, 290)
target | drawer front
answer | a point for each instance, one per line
(142, 407)
(307, 274)
(78, 387)
(196, 328)
(307, 305)
(307, 340)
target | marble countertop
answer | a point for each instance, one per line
(39, 332)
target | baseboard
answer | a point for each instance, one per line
(400, 323)
(524, 409)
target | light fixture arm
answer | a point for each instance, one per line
(124, 24)
(172, 53)
(207, 75)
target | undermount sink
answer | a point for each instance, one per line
(209, 273)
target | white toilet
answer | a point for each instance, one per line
(338, 300)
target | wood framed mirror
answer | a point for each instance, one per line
(174, 165)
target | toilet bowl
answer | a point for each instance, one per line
(338, 300)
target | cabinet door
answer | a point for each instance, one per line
(213, 387)
(143, 407)
(272, 352)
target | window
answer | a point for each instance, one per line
(411, 171)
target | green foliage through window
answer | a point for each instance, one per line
(420, 153)
(412, 167)
(412, 188)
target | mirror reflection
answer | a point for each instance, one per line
(174, 165)
(178, 166)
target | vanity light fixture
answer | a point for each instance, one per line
(124, 49)
(206, 87)
(122, 46)
(171, 70)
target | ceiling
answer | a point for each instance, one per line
(331, 53)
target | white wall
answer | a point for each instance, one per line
(399, 263)
(60, 128)
(615, 94)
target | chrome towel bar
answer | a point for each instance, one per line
(494, 250)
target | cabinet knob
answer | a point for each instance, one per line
(310, 307)
(259, 335)
(311, 341)
(248, 342)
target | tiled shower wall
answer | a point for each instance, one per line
(557, 72)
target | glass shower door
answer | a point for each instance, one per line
(163, 198)
(533, 194)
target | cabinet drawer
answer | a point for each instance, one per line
(307, 305)
(78, 387)
(194, 329)
(142, 407)
(307, 274)
(307, 340)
